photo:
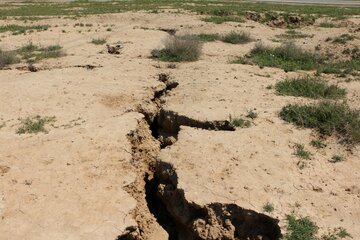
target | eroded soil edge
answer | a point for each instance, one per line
(161, 202)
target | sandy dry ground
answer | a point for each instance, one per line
(70, 183)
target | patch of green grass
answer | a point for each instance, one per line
(318, 143)
(310, 87)
(237, 38)
(300, 228)
(325, 117)
(222, 19)
(7, 58)
(179, 49)
(33, 53)
(34, 125)
(343, 38)
(293, 34)
(287, 56)
(208, 37)
(17, 29)
(268, 207)
(300, 152)
(239, 122)
(98, 41)
(327, 25)
(337, 158)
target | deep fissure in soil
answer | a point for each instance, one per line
(182, 220)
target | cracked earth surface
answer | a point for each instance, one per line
(86, 178)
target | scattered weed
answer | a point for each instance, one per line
(208, 37)
(251, 114)
(343, 38)
(318, 143)
(7, 58)
(292, 34)
(300, 152)
(337, 158)
(33, 53)
(179, 49)
(239, 122)
(17, 29)
(300, 228)
(326, 117)
(98, 41)
(237, 38)
(338, 233)
(34, 125)
(310, 87)
(327, 25)
(268, 207)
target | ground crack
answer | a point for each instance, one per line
(161, 205)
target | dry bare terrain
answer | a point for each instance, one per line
(106, 134)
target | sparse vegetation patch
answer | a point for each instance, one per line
(287, 56)
(301, 152)
(7, 58)
(337, 158)
(17, 29)
(293, 34)
(343, 38)
(33, 53)
(34, 125)
(318, 143)
(327, 118)
(208, 37)
(179, 49)
(222, 19)
(98, 41)
(327, 25)
(239, 122)
(310, 87)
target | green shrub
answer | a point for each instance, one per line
(179, 49)
(268, 207)
(237, 38)
(310, 87)
(327, 118)
(300, 229)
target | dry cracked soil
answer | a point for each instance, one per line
(138, 150)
